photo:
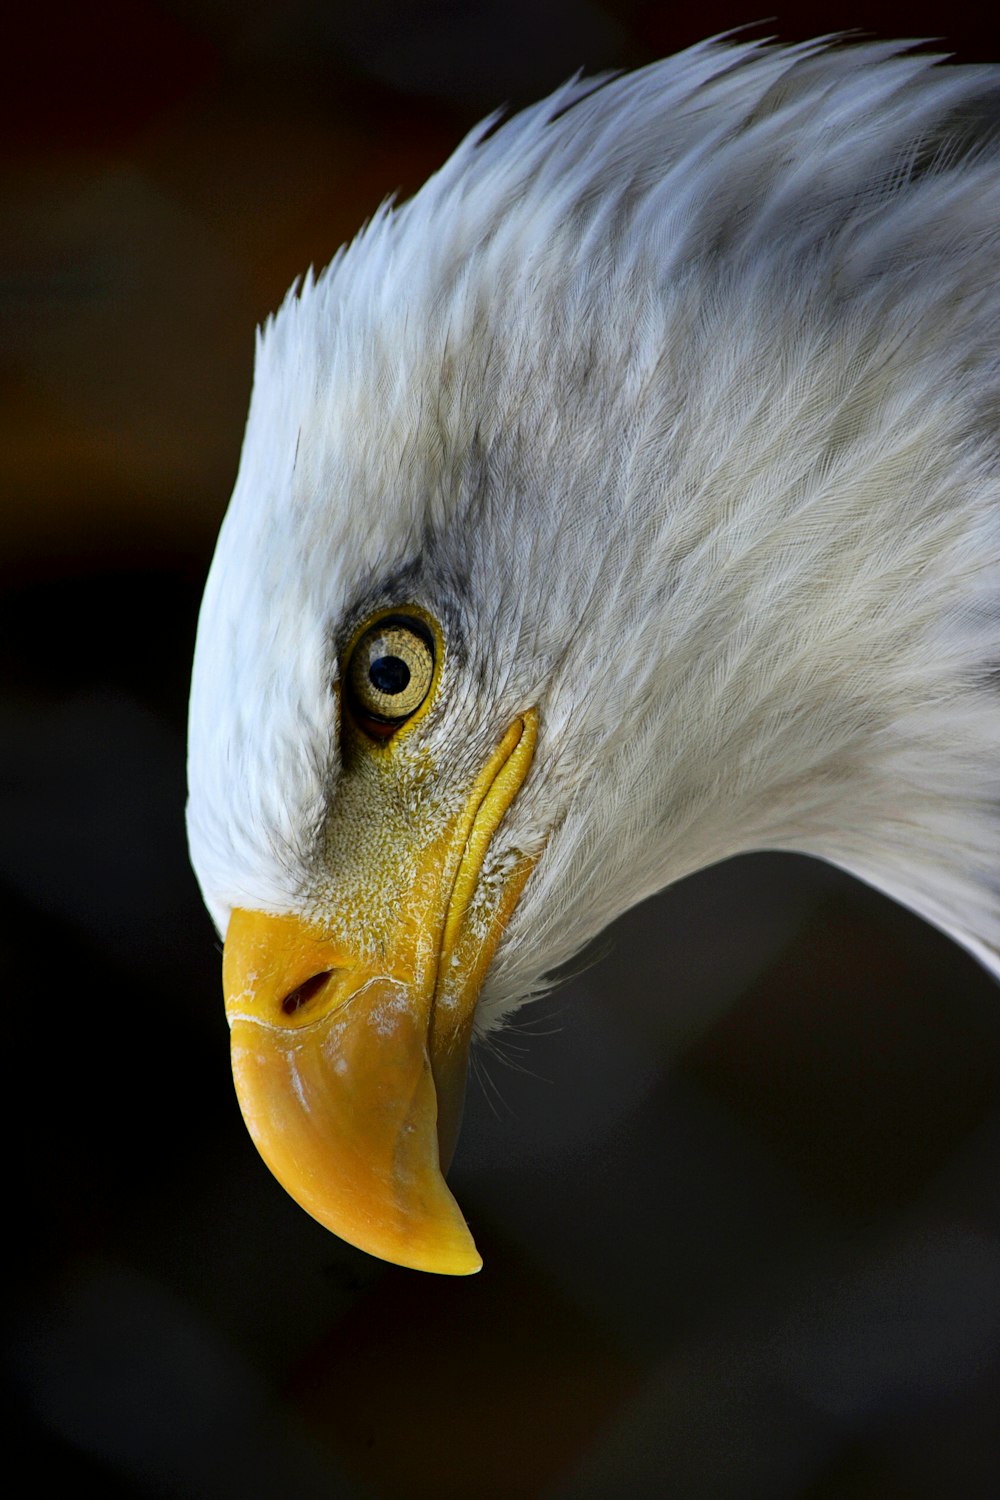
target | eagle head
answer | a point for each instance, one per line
(623, 501)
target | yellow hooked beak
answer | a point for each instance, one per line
(349, 1057)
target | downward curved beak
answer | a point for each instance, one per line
(336, 1084)
(350, 1072)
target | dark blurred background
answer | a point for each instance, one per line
(735, 1184)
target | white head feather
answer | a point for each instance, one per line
(676, 398)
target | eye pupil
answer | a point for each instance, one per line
(389, 674)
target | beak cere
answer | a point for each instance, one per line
(350, 1071)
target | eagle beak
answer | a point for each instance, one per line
(350, 1068)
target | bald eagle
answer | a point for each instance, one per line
(628, 499)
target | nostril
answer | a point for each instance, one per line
(304, 992)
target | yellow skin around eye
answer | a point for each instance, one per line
(408, 647)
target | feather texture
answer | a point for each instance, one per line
(677, 398)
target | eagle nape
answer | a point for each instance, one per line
(627, 500)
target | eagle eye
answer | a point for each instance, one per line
(390, 671)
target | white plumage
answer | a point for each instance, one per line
(676, 400)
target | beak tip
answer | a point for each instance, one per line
(466, 1266)
(453, 1254)
(469, 1265)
